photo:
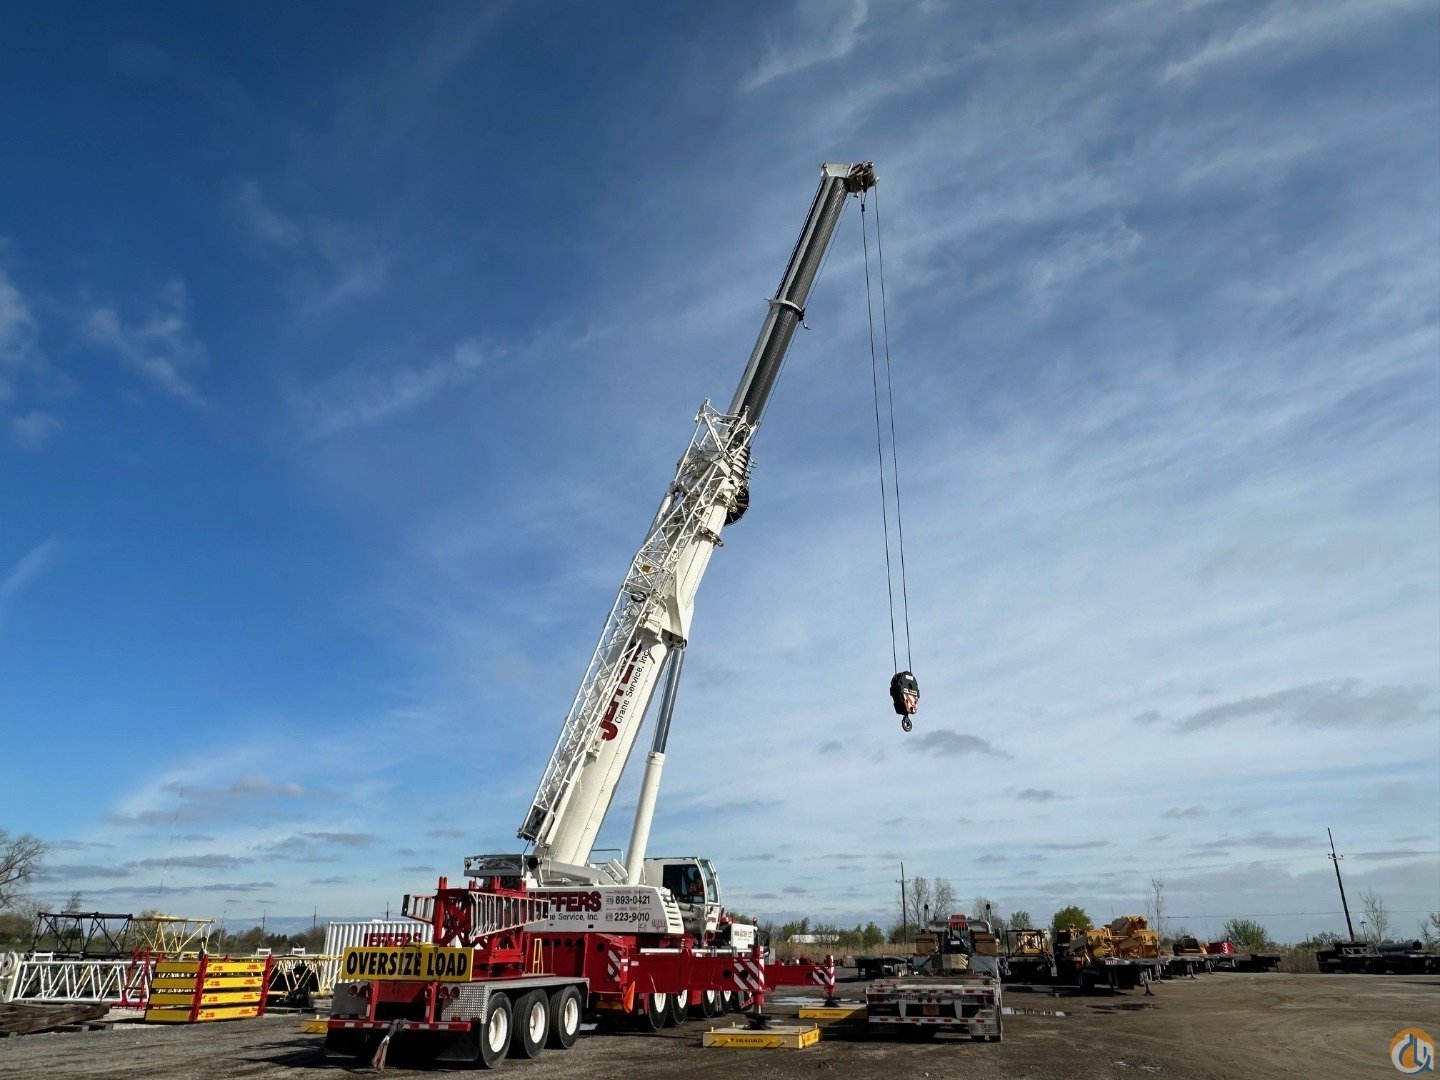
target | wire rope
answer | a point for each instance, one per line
(879, 438)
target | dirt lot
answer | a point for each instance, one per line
(1218, 1026)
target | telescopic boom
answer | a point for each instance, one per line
(651, 616)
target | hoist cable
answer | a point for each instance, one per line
(879, 439)
(894, 451)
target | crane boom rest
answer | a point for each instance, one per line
(650, 619)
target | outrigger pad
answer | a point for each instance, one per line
(905, 693)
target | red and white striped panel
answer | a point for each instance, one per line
(749, 976)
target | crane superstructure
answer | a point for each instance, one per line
(649, 623)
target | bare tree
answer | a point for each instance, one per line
(19, 860)
(919, 899)
(985, 908)
(1376, 914)
(73, 905)
(943, 902)
(1430, 929)
(1155, 905)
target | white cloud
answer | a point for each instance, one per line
(33, 430)
(823, 32)
(17, 327)
(359, 396)
(25, 572)
(1291, 29)
(21, 362)
(338, 261)
(268, 225)
(160, 347)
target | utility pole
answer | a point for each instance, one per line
(1336, 860)
(904, 908)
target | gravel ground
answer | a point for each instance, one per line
(1218, 1026)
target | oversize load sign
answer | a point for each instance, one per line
(412, 963)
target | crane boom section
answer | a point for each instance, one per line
(652, 612)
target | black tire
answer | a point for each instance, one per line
(532, 1025)
(676, 1008)
(495, 1031)
(654, 1011)
(566, 1012)
(709, 1004)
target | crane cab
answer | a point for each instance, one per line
(695, 886)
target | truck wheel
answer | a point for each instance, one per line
(495, 1031)
(652, 1016)
(709, 1003)
(532, 1025)
(565, 1013)
(676, 1008)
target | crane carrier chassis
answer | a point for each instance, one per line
(488, 985)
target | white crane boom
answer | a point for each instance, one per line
(651, 615)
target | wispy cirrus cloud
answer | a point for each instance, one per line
(160, 346)
(821, 33)
(337, 261)
(358, 396)
(27, 571)
(22, 361)
(1290, 28)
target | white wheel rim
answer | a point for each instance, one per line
(497, 1030)
(683, 999)
(570, 1014)
(660, 1000)
(537, 1021)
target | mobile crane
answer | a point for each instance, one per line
(537, 939)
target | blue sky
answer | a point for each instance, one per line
(345, 351)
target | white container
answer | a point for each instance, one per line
(342, 935)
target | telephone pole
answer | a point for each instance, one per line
(904, 908)
(1334, 858)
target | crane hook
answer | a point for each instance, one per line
(905, 697)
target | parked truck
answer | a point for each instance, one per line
(1383, 958)
(1028, 957)
(534, 940)
(956, 987)
(1092, 958)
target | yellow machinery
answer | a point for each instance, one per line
(1133, 939)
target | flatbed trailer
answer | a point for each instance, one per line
(925, 1005)
(473, 1023)
(1185, 964)
(879, 967)
(1255, 961)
